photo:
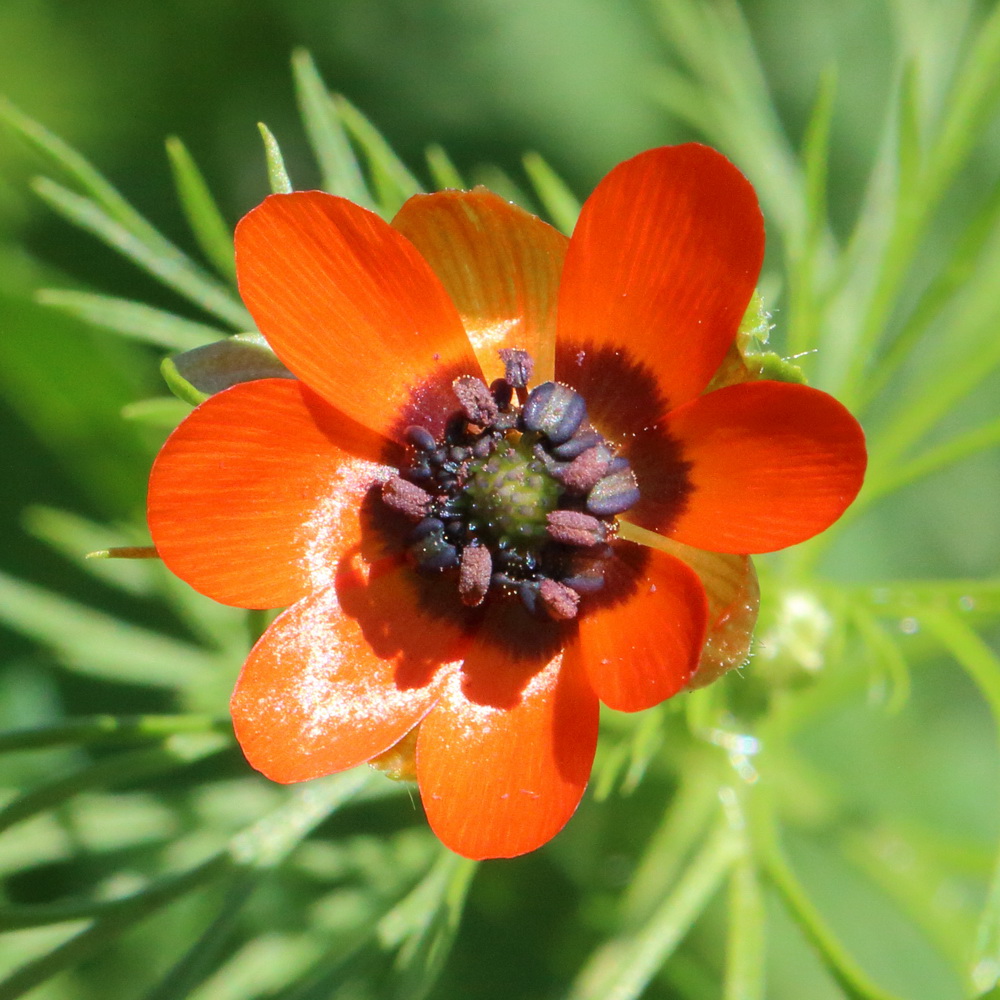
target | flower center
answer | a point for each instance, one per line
(519, 495)
(510, 495)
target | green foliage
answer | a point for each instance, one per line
(156, 326)
(207, 224)
(277, 175)
(339, 167)
(561, 206)
(163, 869)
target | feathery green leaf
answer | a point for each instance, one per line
(391, 180)
(168, 265)
(277, 175)
(210, 229)
(135, 320)
(341, 172)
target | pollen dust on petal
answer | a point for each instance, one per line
(334, 691)
(333, 524)
(474, 719)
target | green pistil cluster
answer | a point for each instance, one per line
(510, 495)
(519, 495)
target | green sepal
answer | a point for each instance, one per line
(751, 339)
(195, 375)
(755, 327)
(773, 366)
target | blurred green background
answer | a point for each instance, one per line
(585, 83)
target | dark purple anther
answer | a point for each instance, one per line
(428, 526)
(555, 410)
(585, 583)
(614, 494)
(578, 443)
(528, 592)
(502, 392)
(433, 550)
(585, 573)
(420, 438)
(483, 447)
(419, 472)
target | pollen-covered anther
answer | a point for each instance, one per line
(573, 527)
(613, 494)
(587, 469)
(518, 366)
(474, 574)
(561, 602)
(406, 497)
(476, 400)
(555, 410)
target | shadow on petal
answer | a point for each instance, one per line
(401, 617)
(511, 649)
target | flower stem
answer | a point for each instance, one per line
(848, 975)
(623, 967)
(745, 948)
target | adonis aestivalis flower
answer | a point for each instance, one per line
(513, 475)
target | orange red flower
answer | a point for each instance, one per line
(409, 498)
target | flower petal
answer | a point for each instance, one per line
(504, 757)
(659, 271)
(730, 583)
(352, 309)
(642, 646)
(501, 267)
(254, 497)
(341, 676)
(768, 464)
